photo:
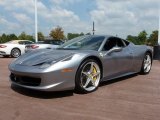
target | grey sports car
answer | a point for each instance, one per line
(80, 64)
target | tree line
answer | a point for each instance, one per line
(8, 37)
(144, 38)
(55, 34)
(58, 34)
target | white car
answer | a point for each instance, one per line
(46, 44)
(14, 48)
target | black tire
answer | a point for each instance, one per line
(78, 82)
(15, 52)
(145, 70)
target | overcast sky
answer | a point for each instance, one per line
(121, 17)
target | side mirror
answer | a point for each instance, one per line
(114, 49)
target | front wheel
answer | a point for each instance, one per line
(15, 52)
(147, 64)
(88, 76)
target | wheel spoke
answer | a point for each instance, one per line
(96, 74)
(145, 66)
(145, 61)
(87, 82)
(92, 66)
(148, 65)
(85, 73)
(93, 82)
(148, 59)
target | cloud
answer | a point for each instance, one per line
(22, 5)
(11, 26)
(64, 2)
(121, 17)
(125, 17)
(23, 18)
(18, 15)
(57, 15)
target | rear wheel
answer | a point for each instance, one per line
(147, 64)
(15, 52)
(88, 76)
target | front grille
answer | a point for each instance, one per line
(3, 53)
(23, 80)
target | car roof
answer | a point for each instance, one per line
(16, 41)
(106, 36)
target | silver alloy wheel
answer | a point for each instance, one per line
(15, 53)
(90, 76)
(147, 63)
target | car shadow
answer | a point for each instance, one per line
(5, 56)
(108, 82)
(61, 94)
(41, 94)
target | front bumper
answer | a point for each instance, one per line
(48, 81)
(2, 53)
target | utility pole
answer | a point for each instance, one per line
(157, 47)
(36, 22)
(159, 30)
(93, 28)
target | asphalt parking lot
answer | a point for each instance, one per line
(135, 97)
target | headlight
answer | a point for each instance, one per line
(67, 58)
(47, 64)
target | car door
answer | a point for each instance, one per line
(118, 62)
(21, 46)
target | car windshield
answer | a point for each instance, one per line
(12, 41)
(83, 43)
(54, 42)
(40, 42)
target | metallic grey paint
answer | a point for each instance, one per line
(116, 64)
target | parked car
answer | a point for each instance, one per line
(46, 44)
(14, 48)
(80, 64)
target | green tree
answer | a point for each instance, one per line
(57, 33)
(142, 37)
(24, 36)
(88, 33)
(73, 35)
(153, 38)
(29, 37)
(12, 37)
(81, 34)
(4, 38)
(133, 39)
(40, 36)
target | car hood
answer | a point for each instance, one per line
(41, 56)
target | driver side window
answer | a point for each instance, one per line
(110, 43)
(21, 42)
(113, 42)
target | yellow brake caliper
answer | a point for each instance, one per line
(94, 72)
